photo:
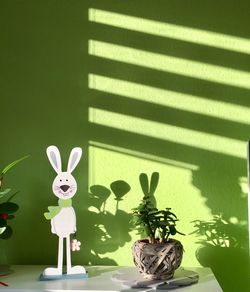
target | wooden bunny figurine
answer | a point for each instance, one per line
(62, 217)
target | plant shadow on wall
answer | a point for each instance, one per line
(105, 231)
(144, 106)
(223, 247)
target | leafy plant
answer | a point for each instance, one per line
(7, 209)
(156, 224)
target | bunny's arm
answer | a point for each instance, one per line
(74, 218)
(53, 229)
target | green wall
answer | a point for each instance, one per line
(141, 86)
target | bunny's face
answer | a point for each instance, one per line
(64, 186)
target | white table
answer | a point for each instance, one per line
(26, 278)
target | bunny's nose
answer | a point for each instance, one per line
(64, 188)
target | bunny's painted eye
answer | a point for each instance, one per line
(67, 180)
(60, 180)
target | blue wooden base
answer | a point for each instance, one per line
(63, 277)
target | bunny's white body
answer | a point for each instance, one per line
(63, 221)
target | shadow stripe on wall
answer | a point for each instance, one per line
(217, 74)
(170, 133)
(169, 98)
(193, 35)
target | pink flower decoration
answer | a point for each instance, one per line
(75, 245)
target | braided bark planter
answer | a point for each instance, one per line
(157, 260)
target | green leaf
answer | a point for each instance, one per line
(12, 196)
(9, 166)
(141, 207)
(11, 217)
(136, 221)
(135, 209)
(5, 192)
(2, 229)
(153, 182)
(3, 223)
(172, 230)
(7, 233)
(8, 207)
(180, 233)
(144, 183)
(169, 213)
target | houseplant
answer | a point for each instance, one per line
(156, 256)
(7, 208)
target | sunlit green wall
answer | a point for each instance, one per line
(141, 86)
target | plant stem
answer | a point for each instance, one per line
(151, 234)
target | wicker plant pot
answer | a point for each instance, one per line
(157, 260)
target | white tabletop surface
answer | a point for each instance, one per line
(26, 278)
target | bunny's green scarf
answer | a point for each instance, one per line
(54, 210)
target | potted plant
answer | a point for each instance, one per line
(157, 256)
(7, 208)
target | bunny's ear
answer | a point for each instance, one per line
(54, 158)
(74, 158)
